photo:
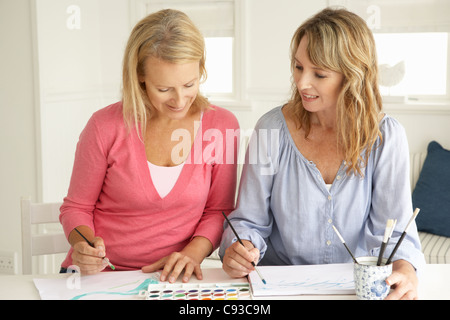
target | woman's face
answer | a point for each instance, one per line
(318, 88)
(171, 88)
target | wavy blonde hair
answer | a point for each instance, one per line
(341, 41)
(168, 35)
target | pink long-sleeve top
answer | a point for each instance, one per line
(112, 192)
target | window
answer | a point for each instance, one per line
(413, 43)
(219, 65)
(217, 22)
(412, 64)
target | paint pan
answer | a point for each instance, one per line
(199, 291)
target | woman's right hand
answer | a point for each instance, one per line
(237, 261)
(88, 259)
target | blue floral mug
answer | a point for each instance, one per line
(370, 279)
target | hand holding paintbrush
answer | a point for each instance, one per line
(240, 241)
(105, 259)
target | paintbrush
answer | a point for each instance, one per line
(345, 245)
(416, 212)
(390, 224)
(92, 245)
(239, 239)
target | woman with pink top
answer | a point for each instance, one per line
(153, 173)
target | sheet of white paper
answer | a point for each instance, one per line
(114, 284)
(303, 279)
(105, 285)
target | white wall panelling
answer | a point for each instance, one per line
(79, 53)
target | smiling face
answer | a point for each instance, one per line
(318, 88)
(171, 87)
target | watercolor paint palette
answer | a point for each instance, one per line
(204, 291)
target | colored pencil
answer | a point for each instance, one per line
(239, 239)
(92, 245)
(345, 245)
(416, 212)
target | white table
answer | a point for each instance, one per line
(434, 285)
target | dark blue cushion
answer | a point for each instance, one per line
(432, 192)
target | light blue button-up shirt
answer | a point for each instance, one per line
(286, 210)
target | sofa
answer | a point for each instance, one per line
(430, 187)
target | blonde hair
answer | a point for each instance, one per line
(340, 41)
(168, 35)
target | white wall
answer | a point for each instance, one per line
(51, 81)
(18, 160)
(78, 72)
(269, 27)
(423, 123)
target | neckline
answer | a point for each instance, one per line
(309, 163)
(166, 167)
(185, 174)
(290, 139)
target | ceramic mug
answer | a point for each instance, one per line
(370, 279)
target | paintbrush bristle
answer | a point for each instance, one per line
(388, 229)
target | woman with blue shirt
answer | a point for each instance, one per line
(330, 156)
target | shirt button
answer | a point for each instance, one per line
(338, 177)
(329, 197)
(330, 221)
(328, 242)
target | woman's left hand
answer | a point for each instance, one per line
(403, 281)
(173, 265)
(188, 259)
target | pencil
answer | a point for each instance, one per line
(345, 245)
(239, 239)
(92, 245)
(416, 212)
(390, 224)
